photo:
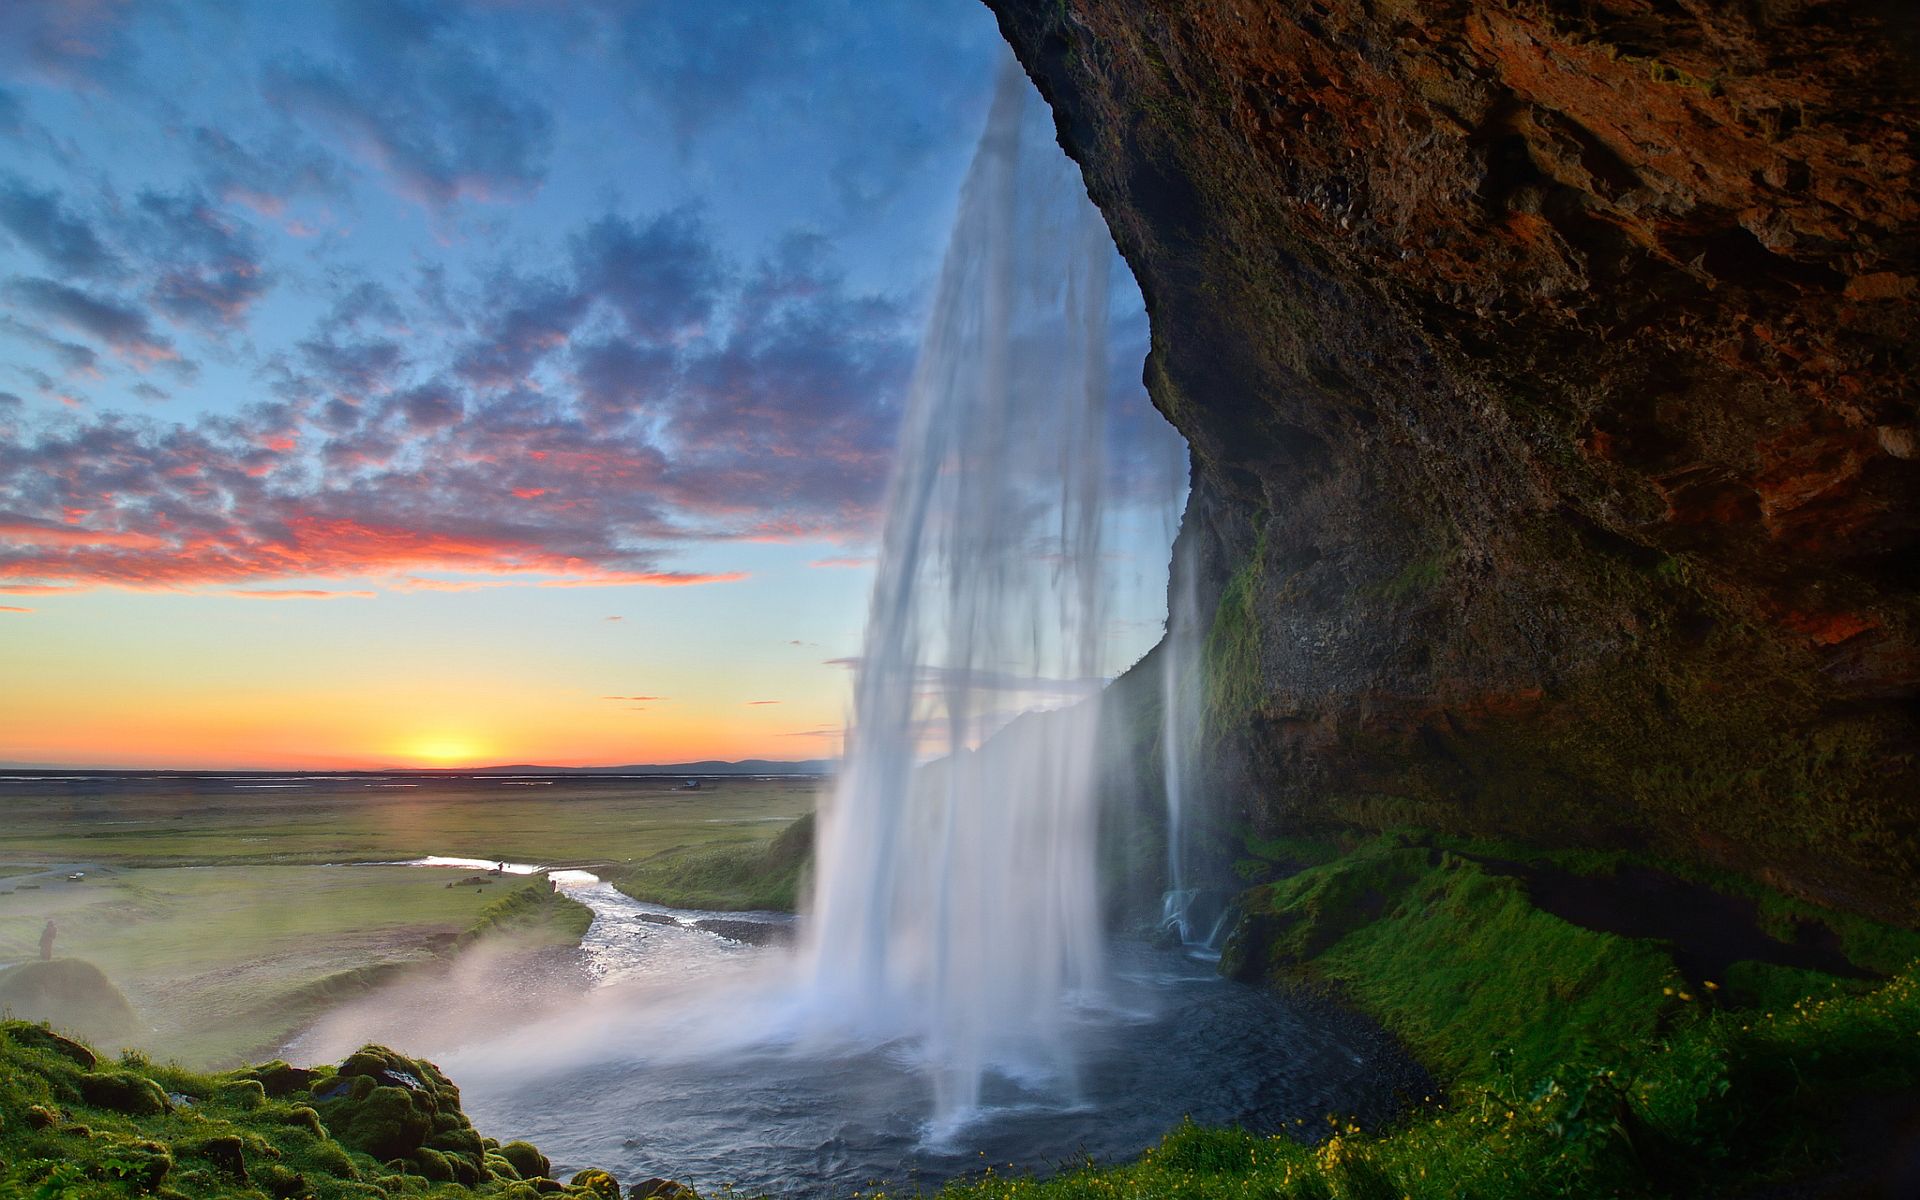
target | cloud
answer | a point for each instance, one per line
(14, 608)
(74, 359)
(205, 265)
(662, 277)
(850, 561)
(414, 95)
(758, 703)
(70, 42)
(576, 429)
(42, 222)
(122, 327)
(264, 177)
(613, 618)
(297, 594)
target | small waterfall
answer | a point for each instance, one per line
(956, 899)
(1180, 704)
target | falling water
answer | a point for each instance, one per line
(956, 899)
(1180, 695)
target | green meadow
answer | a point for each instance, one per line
(230, 918)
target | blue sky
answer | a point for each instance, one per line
(479, 318)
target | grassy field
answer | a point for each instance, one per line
(208, 902)
(176, 822)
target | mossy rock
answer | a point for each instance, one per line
(226, 1154)
(245, 1094)
(433, 1165)
(277, 1078)
(528, 1162)
(307, 1118)
(596, 1182)
(40, 1037)
(389, 1123)
(123, 1092)
(281, 1181)
(499, 1168)
(140, 1165)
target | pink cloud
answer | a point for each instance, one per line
(296, 594)
(14, 608)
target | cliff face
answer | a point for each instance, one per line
(1550, 369)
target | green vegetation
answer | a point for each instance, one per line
(1457, 960)
(732, 878)
(535, 913)
(1579, 1062)
(1232, 653)
(380, 1125)
(566, 821)
(215, 916)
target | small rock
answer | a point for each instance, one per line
(598, 1182)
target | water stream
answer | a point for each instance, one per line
(691, 1059)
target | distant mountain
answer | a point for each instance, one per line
(746, 766)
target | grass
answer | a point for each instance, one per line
(168, 823)
(533, 912)
(1578, 1063)
(380, 1125)
(212, 912)
(734, 878)
(1456, 960)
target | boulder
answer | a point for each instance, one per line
(527, 1160)
(596, 1182)
(123, 1092)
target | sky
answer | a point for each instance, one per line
(429, 384)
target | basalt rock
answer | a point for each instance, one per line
(1550, 373)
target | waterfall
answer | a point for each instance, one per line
(1180, 700)
(956, 898)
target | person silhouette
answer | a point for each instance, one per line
(46, 940)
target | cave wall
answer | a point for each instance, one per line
(1550, 374)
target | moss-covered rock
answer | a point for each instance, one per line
(595, 1182)
(123, 1092)
(45, 1039)
(245, 1094)
(277, 1078)
(226, 1153)
(92, 1134)
(388, 1123)
(528, 1162)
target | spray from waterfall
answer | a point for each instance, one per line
(956, 904)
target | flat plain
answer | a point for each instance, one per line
(227, 908)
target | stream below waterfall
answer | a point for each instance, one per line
(685, 1058)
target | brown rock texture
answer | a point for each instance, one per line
(1550, 370)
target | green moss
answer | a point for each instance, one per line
(73, 1129)
(1419, 576)
(1457, 960)
(1234, 685)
